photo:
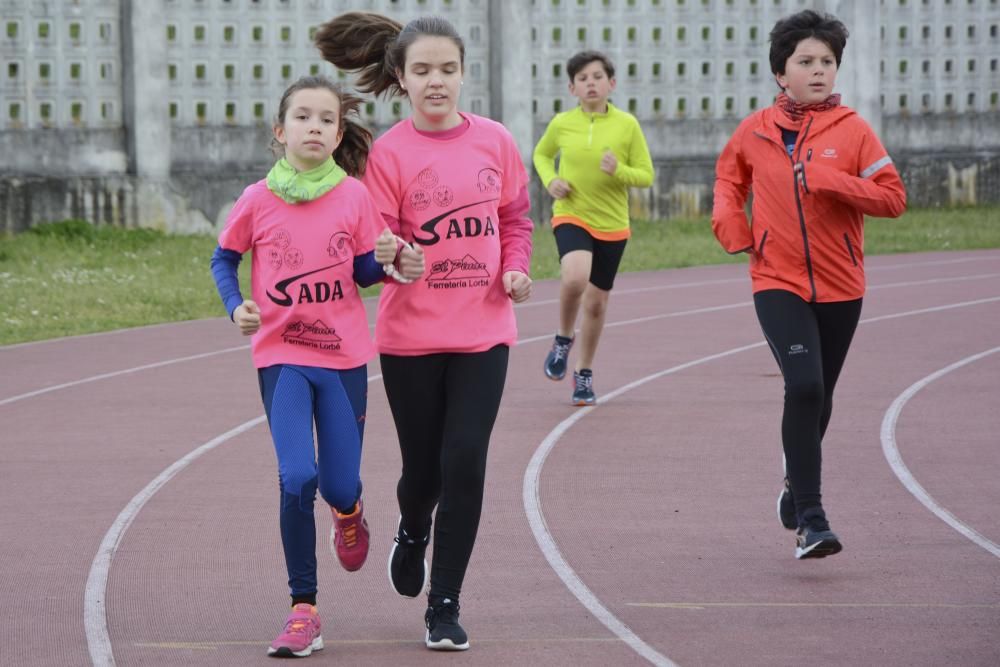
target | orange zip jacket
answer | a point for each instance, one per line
(805, 236)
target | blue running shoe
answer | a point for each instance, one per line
(555, 361)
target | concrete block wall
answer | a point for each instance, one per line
(174, 98)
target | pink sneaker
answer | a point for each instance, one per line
(301, 634)
(349, 538)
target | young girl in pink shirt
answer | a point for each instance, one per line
(454, 185)
(312, 228)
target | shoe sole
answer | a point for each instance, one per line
(781, 518)
(285, 652)
(444, 644)
(580, 403)
(821, 549)
(388, 568)
(553, 377)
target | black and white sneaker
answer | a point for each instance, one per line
(443, 631)
(814, 539)
(786, 508)
(407, 565)
(555, 360)
(583, 391)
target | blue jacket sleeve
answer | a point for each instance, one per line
(225, 265)
(367, 271)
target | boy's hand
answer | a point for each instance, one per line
(385, 247)
(411, 262)
(800, 173)
(247, 317)
(559, 188)
(609, 163)
(517, 285)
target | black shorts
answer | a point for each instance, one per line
(605, 255)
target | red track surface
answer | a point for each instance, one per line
(660, 500)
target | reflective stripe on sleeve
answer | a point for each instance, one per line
(875, 166)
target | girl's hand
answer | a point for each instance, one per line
(559, 188)
(517, 285)
(609, 163)
(247, 317)
(385, 247)
(411, 262)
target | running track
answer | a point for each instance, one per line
(140, 522)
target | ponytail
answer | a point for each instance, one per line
(375, 46)
(362, 42)
(356, 141)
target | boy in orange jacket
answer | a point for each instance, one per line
(815, 169)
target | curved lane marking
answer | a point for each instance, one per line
(126, 371)
(177, 360)
(532, 478)
(892, 455)
(95, 611)
(94, 607)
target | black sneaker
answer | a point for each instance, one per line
(443, 631)
(407, 565)
(583, 394)
(814, 539)
(786, 508)
(555, 361)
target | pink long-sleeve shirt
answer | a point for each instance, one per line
(302, 275)
(462, 196)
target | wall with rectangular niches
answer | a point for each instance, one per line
(228, 61)
(925, 73)
(61, 64)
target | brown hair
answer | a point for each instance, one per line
(584, 58)
(789, 31)
(356, 141)
(376, 46)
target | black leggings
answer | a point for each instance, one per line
(809, 342)
(444, 406)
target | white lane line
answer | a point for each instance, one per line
(539, 527)
(94, 607)
(697, 311)
(937, 262)
(113, 332)
(932, 281)
(870, 267)
(95, 612)
(126, 371)
(640, 290)
(532, 498)
(892, 455)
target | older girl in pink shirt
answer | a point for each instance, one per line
(452, 184)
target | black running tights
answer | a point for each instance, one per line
(444, 406)
(809, 342)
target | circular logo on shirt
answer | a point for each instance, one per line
(428, 178)
(488, 180)
(443, 196)
(282, 239)
(293, 258)
(338, 245)
(419, 200)
(274, 258)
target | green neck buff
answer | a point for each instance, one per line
(296, 187)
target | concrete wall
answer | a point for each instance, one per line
(157, 112)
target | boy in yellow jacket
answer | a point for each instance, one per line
(602, 153)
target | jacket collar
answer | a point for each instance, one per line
(768, 121)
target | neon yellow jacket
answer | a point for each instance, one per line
(598, 200)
